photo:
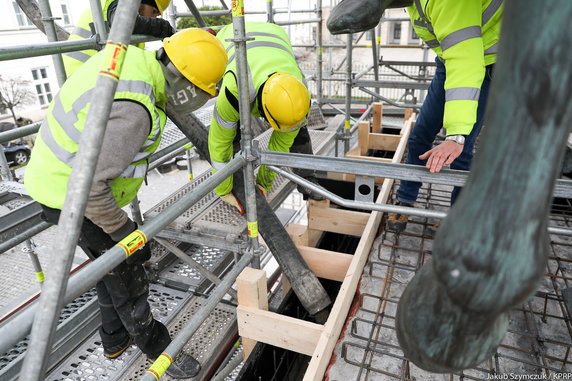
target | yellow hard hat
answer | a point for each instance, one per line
(285, 101)
(198, 56)
(162, 5)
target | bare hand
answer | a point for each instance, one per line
(444, 154)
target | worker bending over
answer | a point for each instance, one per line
(146, 23)
(184, 72)
(464, 35)
(277, 94)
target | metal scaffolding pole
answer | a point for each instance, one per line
(50, 28)
(375, 58)
(270, 11)
(34, 50)
(347, 124)
(240, 39)
(15, 330)
(166, 358)
(320, 51)
(172, 15)
(98, 20)
(196, 13)
(70, 222)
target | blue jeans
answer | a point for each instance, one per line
(428, 125)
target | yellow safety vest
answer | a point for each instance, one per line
(54, 152)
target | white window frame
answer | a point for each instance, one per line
(21, 18)
(392, 27)
(66, 16)
(42, 85)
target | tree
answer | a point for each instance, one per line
(15, 92)
(190, 22)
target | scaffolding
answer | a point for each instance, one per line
(61, 289)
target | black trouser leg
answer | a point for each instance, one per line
(303, 144)
(122, 294)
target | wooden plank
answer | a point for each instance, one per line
(333, 327)
(408, 114)
(376, 119)
(353, 151)
(278, 330)
(338, 220)
(298, 233)
(314, 231)
(252, 292)
(385, 142)
(363, 137)
(325, 263)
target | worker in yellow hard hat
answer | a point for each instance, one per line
(183, 73)
(278, 95)
(147, 23)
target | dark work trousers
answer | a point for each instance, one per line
(122, 295)
(302, 144)
(428, 125)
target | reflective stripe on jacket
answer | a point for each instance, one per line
(268, 53)
(464, 35)
(82, 31)
(54, 152)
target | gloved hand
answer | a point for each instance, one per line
(230, 199)
(161, 28)
(140, 256)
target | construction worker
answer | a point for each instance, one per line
(146, 23)
(464, 35)
(184, 72)
(278, 95)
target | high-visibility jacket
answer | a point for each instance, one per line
(464, 35)
(269, 52)
(142, 81)
(82, 31)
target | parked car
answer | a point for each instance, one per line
(17, 154)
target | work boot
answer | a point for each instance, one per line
(352, 16)
(184, 366)
(307, 193)
(115, 345)
(397, 222)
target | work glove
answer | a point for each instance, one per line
(230, 199)
(156, 27)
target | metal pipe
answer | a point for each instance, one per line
(79, 183)
(347, 125)
(389, 101)
(19, 132)
(320, 51)
(195, 12)
(189, 158)
(34, 50)
(18, 239)
(31, 250)
(198, 318)
(229, 368)
(296, 22)
(136, 211)
(239, 33)
(375, 58)
(358, 204)
(168, 153)
(269, 11)
(15, 330)
(50, 29)
(363, 72)
(98, 20)
(172, 15)
(363, 117)
(194, 264)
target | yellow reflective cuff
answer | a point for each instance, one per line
(252, 229)
(160, 365)
(132, 242)
(114, 56)
(40, 276)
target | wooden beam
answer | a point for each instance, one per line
(408, 114)
(325, 263)
(252, 292)
(385, 142)
(333, 327)
(298, 233)
(376, 119)
(282, 331)
(363, 137)
(337, 220)
(315, 231)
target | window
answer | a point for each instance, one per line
(42, 85)
(20, 16)
(413, 37)
(65, 13)
(395, 33)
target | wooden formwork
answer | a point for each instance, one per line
(256, 323)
